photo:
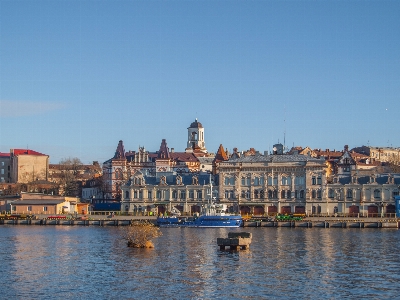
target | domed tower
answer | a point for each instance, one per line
(196, 138)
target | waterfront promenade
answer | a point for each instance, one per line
(117, 220)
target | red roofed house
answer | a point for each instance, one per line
(28, 165)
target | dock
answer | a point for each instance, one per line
(329, 223)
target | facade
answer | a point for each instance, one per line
(286, 184)
(383, 154)
(268, 184)
(158, 194)
(28, 165)
(5, 168)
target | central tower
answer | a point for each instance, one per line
(196, 138)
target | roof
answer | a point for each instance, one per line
(38, 202)
(196, 124)
(275, 158)
(17, 152)
(183, 156)
(380, 179)
(171, 179)
(4, 154)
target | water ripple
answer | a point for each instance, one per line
(94, 262)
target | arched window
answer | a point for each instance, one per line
(377, 193)
(227, 181)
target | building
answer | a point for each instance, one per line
(28, 166)
(119, 169)
(158, 194)
(269, 184)
(5, 168)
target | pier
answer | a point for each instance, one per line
(329, 223)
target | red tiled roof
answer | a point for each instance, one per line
(4, 154)
(183, 156)
(26, 152)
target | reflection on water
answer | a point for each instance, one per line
(89, 262)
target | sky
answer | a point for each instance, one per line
(78, 76)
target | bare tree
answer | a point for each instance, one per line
(69, 169)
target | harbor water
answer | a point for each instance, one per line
(74, 262)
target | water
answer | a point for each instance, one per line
(62, 262)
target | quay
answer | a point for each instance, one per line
(117, 220)
(87, 220)
(329, 223)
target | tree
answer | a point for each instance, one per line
(69, 176)
(140, 234)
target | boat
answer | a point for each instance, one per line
(212, 215)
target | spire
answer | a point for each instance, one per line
(120, 152)
(221, 154)
(163, 152)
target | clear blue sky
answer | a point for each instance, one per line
(78, 76)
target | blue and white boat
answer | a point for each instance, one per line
(212, 215)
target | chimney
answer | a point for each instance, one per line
(172, 150)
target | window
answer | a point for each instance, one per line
(227, 194)
(313, 194)
(183, 195)
(29, 208)
(313, 180)
(191, 194)
(256, 181)
(331, 193)
(301, 194)
(199, 195)
(319, 180)
(2, 171)
(233, 181)
(319, 193)
(126, 194)
(288, 194)
(377, 193)
(227, 181)
(349, 193)
(243, 182)
(158, 194)
(45, 208)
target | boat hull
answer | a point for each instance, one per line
(203, 222)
